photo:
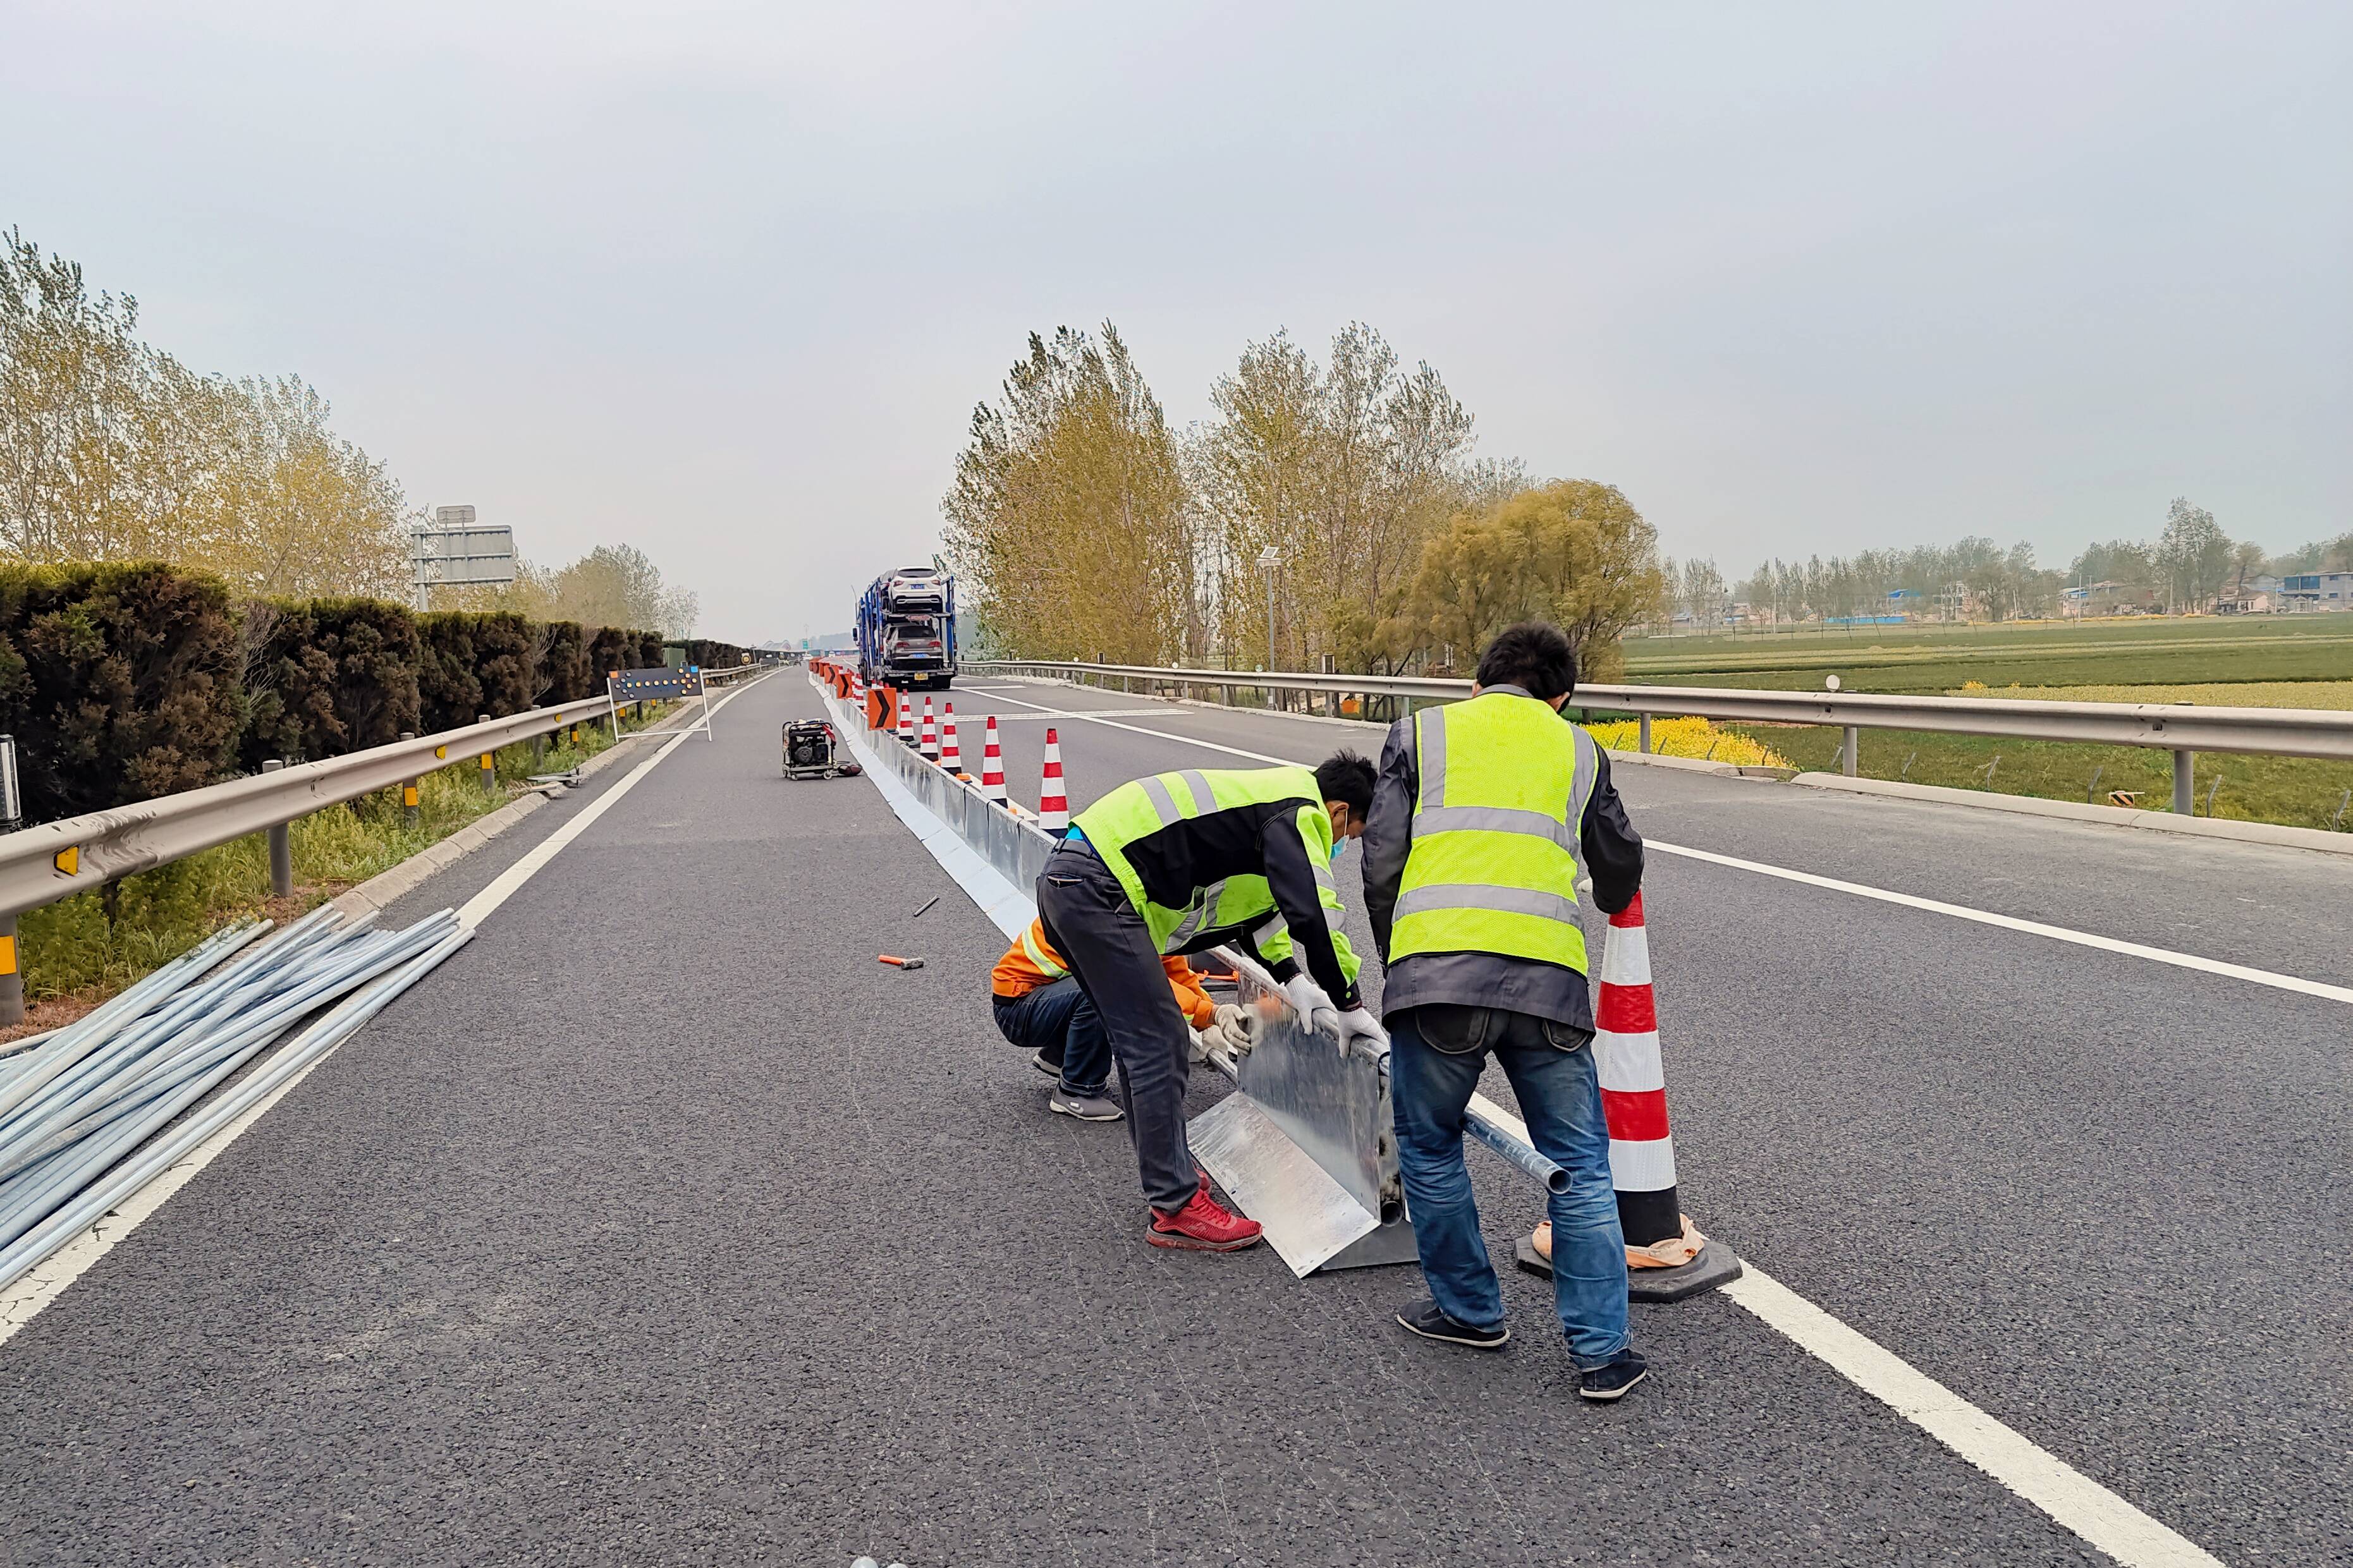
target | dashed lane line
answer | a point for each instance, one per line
(2098, 1516)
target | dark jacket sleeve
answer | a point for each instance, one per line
(1389, 832)
(1612, 849)
(1291, 879)
(1281, 968)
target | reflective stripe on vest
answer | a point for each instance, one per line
(1496, 858)
(1035, 950)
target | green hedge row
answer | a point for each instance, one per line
(124, 681)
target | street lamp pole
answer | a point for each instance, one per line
(1269, 560)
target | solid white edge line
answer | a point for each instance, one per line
(2070, 1496)
(2034, 1473)
(24, 1300)
(2277, 982)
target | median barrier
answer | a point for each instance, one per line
(1307, 1145)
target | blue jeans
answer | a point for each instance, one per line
(1561, 1099)
(1058, 1019)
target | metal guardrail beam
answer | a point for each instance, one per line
(2173, 727)
(56, 859)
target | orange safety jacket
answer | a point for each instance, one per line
(1032, 962)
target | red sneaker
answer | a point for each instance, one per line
(1203, 1226)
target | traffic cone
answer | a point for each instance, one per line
(992, 766)
(906, 719)
(1666, 1257)
(951, 754)
(930, 743)
(1053, 806)
(858, 691)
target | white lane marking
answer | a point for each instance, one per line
(502, 888)
(21, 1301)
(2034, 928)
(2075, 1501)
(1081, 714)
(2198, 962)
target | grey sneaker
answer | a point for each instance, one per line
(1051, 1070)
(1086, 1107)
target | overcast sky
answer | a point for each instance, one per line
(725, 281)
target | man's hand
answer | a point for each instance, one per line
(1307, 998)
(1358, 1024)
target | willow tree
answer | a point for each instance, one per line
(1070, 521)
(1571, 552)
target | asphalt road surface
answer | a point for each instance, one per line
(664, 1225)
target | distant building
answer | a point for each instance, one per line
(2318, 591)
(2108, 599)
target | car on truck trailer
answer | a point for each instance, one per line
(906, 629)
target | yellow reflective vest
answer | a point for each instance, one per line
(1494, 864)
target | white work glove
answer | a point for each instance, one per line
(1311, 1002)
(1202, 1040)
(1227, 1030)
(1358, 1024)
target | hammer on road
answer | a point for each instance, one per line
(897, 963)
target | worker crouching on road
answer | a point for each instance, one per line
(1041, 1009)
(1180, 863)
(1484, 813)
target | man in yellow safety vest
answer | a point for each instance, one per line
(1178, 863)
(1485, 816)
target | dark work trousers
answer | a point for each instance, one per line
(1060, 1023)
(1102, 938)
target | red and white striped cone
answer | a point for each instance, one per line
(858, 691)
(1666, 1257)
(1053, 806)
(992, 766)
(951, 754)
(929, 744)
(906, 719)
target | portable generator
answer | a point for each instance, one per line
(811, 751)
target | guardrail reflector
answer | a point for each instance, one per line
(67, 860)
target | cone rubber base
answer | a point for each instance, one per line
(1716, 1265)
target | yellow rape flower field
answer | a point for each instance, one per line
(1690, 737)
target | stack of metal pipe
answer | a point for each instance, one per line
(97, 1109)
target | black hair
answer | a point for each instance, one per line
(1347, 777)
(1534, 655)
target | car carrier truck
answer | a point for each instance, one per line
(906, 629)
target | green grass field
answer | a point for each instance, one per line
(2134, 650)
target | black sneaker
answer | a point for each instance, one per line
(1424, 1317)
(1611, 1378)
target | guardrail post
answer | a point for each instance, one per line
(489, 763)
(12, 979)
(2185, 769)
(1847, 765)
(1645, 742)
(409, 811)
(281, 848)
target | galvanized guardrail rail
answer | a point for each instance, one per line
(54, 860)
(2183, 729)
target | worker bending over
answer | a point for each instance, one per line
(1180, 863)
(1484, 813)
(1042, 1009)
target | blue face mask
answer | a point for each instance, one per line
(1338, 846)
